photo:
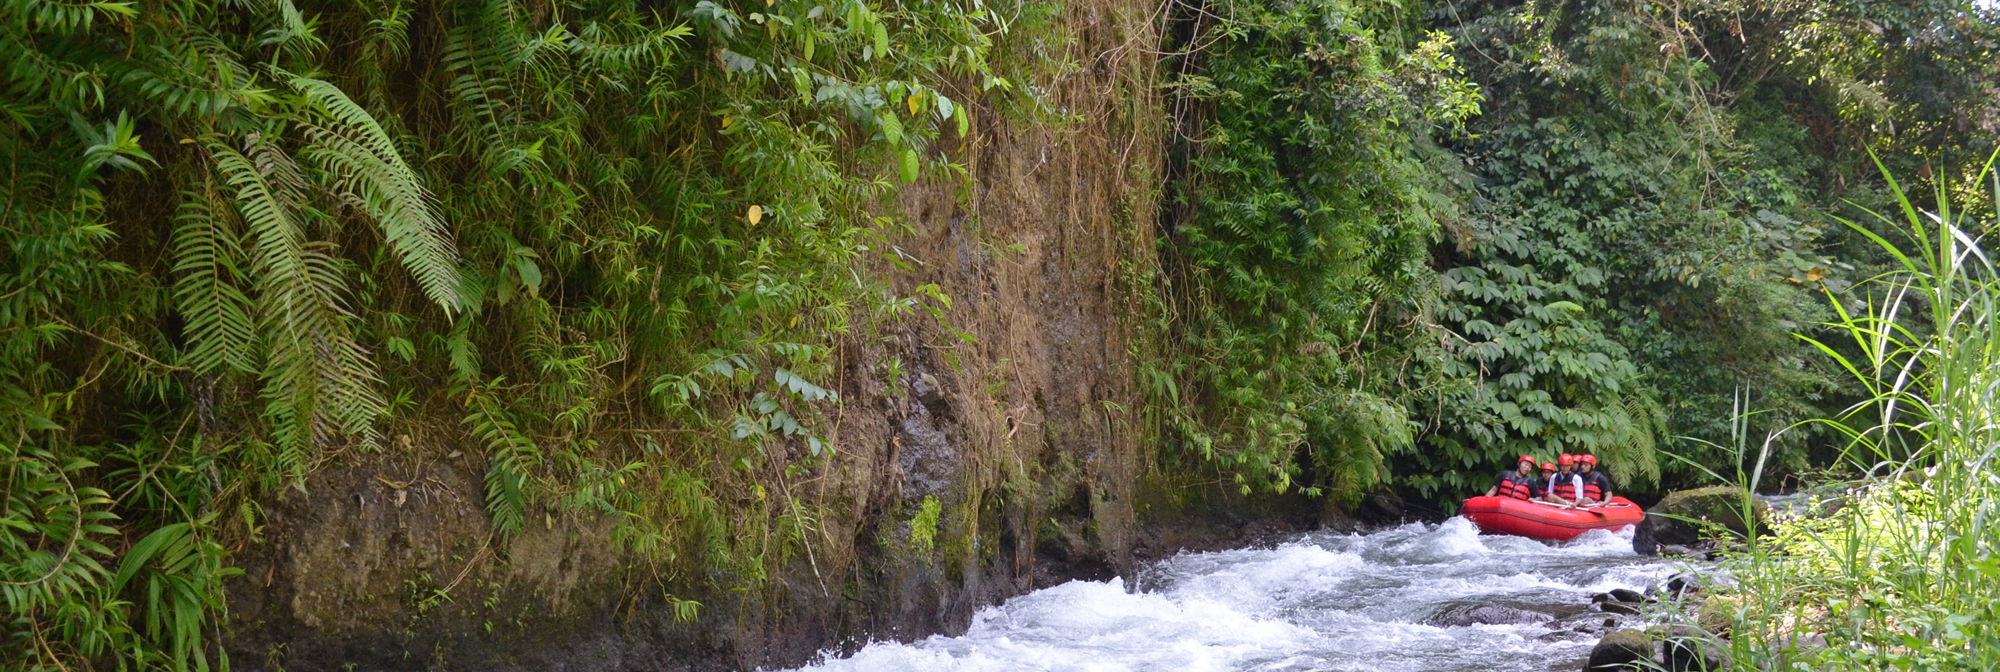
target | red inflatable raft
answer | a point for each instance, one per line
(1551, 522)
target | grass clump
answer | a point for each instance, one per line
(1905, 575)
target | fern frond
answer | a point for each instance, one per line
(1648, 422)
(513, 457)
(208, 257)
(603, 49)
(318, 382)
(480, 52)
(353, 146)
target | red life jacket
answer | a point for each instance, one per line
(1563, 485)
(1515, 485)
(1593, 485)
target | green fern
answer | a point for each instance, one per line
(1638, 424)
(318, 381)
(355, 148)
(209, 259)
(52, 544)
(512, 458)
(480, 51)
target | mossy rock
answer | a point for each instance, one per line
(1717, 613)
(1719, 505)
(1620, 650)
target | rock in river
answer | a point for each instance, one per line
(1720, 505)
(1619, 651)
(1687, 648)
(1679, 585)
(1484, 614)
(1626, 608)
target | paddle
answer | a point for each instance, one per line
(1570, 507)
(1594, 508)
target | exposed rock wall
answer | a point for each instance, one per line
(1026, 435)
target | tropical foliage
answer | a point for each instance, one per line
(1296, 245)
(1619, 246)
(247, 239)
(1651, 219)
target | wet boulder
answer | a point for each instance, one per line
(1687, 648)
(1626, 608)
(1644, 542)
(1673, 648)
(1484, 614)
(1588, 623)
(1680, 517)
(1620, 601)
(1382, 507)
(1620, 651)
(1677, 587)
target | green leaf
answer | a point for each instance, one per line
(892, 128)
(909, 165)
(529, 272)
(143, 551)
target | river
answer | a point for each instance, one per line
(1321, 601)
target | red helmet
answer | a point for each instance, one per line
(1530, 459)
(1548, 466)
(1566, 458)
(1587, 459)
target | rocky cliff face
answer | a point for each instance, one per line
(970, 468)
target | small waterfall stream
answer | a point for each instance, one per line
(1321, 601)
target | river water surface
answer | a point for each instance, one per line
(1319, 602)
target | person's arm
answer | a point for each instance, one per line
(1604, 483)
(1496, 486)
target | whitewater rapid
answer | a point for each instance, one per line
(1319, 602)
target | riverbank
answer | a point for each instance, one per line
(314, 595)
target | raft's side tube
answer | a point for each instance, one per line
(1537, 520)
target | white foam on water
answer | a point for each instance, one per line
(1089, 626)
(1602, 542)
(1319, 602)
